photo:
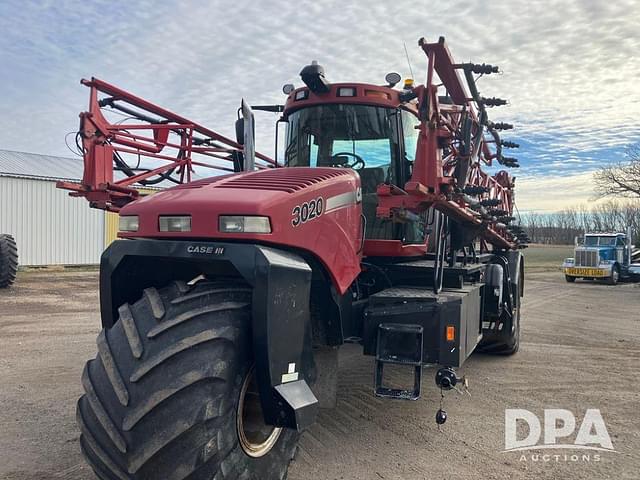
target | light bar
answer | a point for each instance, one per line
(128, 223)
(244, 224)
(177, 223)
(302, 95)
(346, 92)
(375, 93)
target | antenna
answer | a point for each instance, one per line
(407, 55)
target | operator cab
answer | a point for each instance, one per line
(377, 141)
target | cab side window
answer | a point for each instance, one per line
(410, 133)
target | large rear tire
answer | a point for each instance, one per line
(504, 343)
(507, 340)
(8, 260)
(162, 397)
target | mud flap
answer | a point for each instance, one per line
(281, 319)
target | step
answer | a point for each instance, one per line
(399, 344)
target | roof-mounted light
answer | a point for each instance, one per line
(377, 94)
(392, 79)
(288, 88)
(346, 92)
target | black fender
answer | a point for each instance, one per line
(281, 326)
(516, 268)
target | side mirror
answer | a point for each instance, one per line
(240, 131)
(249, 137)
(280, 121)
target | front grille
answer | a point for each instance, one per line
(586, 258)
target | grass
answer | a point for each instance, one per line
(546, 257)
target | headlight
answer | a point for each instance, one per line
(569, 260)
(248, 224)
(175, 223)
(128, 223)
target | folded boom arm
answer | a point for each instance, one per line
(147, 146)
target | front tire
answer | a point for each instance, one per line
(615, 275)
(162, 397)
(569, 278)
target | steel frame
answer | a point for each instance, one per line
(433, 183)
(104, 144)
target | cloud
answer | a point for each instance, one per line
(568, 67)
(555, 192)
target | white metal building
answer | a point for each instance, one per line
(49, 226)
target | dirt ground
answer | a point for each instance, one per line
(580, 349)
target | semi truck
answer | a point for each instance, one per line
(225, 300)
(603, 256)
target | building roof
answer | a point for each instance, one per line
(50, 168)
(42, 167)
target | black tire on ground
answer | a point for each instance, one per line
(506, 342)
(615, 275)
(161, 397)
(569, 278)
(8, 260)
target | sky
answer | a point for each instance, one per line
(570, 68)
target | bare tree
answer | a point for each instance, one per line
(622, 179)
(562, 227)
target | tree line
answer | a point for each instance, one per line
(619, 180)
(562, 227)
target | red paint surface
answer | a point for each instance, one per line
(334, 237)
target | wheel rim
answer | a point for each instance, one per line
(615, 275)
(256, 438)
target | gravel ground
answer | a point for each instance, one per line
(580, 349)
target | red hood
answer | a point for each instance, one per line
(312, 209)
(251, 193)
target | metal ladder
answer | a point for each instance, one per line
(399, 344)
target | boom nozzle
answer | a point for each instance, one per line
(510, 162)
(493, 101)
(501, 126)
(483, 68)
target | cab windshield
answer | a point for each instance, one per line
(594, 241)
(337, 135)
(377, 142)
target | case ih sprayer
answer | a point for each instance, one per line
(225, 301)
